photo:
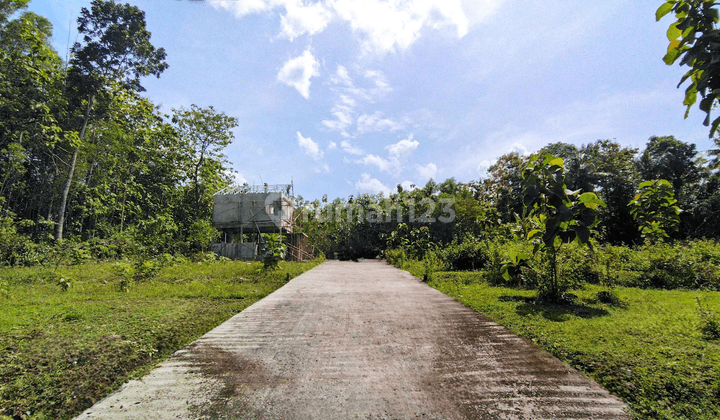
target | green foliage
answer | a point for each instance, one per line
(204, 133)
(512, 267)
(709, 322)
(62, 352)
(655, 209)
(433, 262)
(562, 216)
(64, 283)
(466, 256)
(117, 45)
(695, 40)
(396, 257)
(274, 250)
(414, 241)
(79, 255)
(691, 266)
(202, 234)
(648, 349)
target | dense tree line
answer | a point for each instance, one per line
(83, 155)
(493, 206)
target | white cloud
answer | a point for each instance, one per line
(383, 26)
(519, 148)
(381, 87)
(343, 113)
(237, 177)
(381, 163)
(483, 167)
(322, 168)
(298, 71)
(303, 18)
(332, 146)
(428, 171)
(310, 148)
(344, 109)
(372, 185)
(342, 77)
(407, 185)
(388, 26)
(376, 122)
(350, 149)
(243, 7)
(403, 147)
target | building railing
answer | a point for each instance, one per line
(288, 189)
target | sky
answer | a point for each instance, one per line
(345, 97)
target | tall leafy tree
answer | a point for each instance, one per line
(116, 47)
(504, 186)
(671, 159)
(695, 41)
(31, 102)
(204, 132)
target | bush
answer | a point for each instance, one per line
(467, 256)
(576, 265)
(274, 250)
(396, 257)
(709, 322)
(433, 263)
(692, 265)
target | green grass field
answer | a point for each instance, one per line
(648, 349)
(61, 351)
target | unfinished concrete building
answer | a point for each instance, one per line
(243, 213)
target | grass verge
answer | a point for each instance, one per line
(61, 351)
(647, 349)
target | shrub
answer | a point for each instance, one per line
(467, 256)
(709, 322)
(396, 257)
(433, 263)
(576, 266)
(691, 266)
(146, 269)
(274, 250)
(79, 255)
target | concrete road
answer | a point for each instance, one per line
(360, 340)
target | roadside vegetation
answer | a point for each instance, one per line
(71, 336)
(657, 349)
(605, 256)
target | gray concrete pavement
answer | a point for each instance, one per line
(359, 340)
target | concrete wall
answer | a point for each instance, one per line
(270, 211)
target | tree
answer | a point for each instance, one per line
(205, 133)
(503, 188)
(673, 160)
(695, 40)
(655, 209)
(561, 216)
(612, 170)
(31, 104)
(117, 49)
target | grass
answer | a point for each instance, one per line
(61, 351)
(648, 349)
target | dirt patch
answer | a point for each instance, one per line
(243, 380)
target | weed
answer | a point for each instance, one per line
(709, 322)
(396, 257)
(64, 283)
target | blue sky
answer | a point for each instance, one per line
(348, 96)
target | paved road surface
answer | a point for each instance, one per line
(359, 340)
